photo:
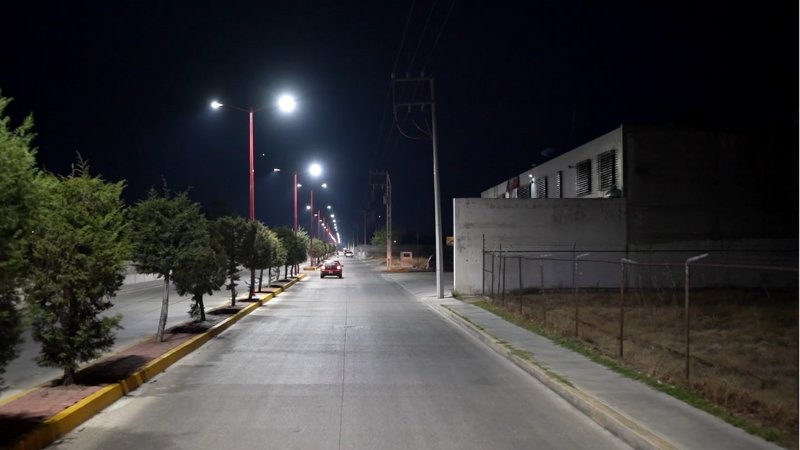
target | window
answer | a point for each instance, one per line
(541, 187)
(607, 170)
(559, 189)
(583, 177)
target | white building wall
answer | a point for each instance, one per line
(532, 227)
(566, 164)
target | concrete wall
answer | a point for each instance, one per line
(531, 227)
(687, 184)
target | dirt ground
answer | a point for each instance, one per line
(743, 351)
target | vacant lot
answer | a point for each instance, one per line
(743, 352)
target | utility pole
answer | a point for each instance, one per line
(415, 82)
(388, 222)
(382, 179)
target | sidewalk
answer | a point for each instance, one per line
(639, 415)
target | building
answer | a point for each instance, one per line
(640, 189)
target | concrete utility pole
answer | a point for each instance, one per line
(428, 134)
(388, 222)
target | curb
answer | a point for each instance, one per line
(70, 418)
(625, 428)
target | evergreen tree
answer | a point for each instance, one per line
(296, 247)
(252, 243)
(165, 228)
(320, 250)
(232, 231)
(77, 262)
(201, 269)
(19, 199)
(278, 256)
(267, 253)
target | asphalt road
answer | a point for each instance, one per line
(350, 363)
(140, 306)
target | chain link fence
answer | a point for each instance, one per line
(722, 323)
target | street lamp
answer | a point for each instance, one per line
(286, 104)
(314, 169)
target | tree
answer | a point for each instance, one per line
(296, 246)
(19, 198)
(269, 253)
(201, 269)
(378, 238)
(232, 232)
(281, 254)
(165, 228)
(320, 249)
(251, 252)
(77, 262)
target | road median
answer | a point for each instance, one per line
(36, 418)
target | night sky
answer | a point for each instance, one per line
(128, 85)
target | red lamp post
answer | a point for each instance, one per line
(286, 104)
(311, 229)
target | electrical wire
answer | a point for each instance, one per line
(421, 36)
(441, 31)
(390, 87)
(403, 39)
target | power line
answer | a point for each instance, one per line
(389, 87)
(403, 39)
(421, 36)
(441, 31)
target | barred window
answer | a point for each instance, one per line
(583, 178)
(607, 169)
(541, 187)
(559, 189)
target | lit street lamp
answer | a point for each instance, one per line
(286, 104)
(315, 169)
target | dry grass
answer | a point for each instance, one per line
(743, 345)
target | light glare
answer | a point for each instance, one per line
(286, 103)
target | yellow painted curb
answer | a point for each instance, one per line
(71, 417)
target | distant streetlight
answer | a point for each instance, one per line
(286, 104)
(314, 168)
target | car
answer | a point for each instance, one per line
(331, 268)
(348, 253)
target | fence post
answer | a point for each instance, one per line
(503, 263)
(575, 282)
(492, 285)
(622, 263)
(686, 306)
(541, 272)
(500, 269)
(483, 265)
